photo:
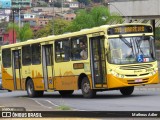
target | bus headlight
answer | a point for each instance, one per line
(117, 74)
(122, 76)
(156, 69)
(153, 73)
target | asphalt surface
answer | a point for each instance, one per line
(144, 98)
(141, 99)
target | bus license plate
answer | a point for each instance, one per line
(138, 80)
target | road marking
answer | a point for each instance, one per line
(52, 103)
(41, 104)
(59, 106)
(56, 105)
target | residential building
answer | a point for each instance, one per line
(74, 5)
(48, 9)
(69, 16)
(66, 16)
(43, 21)
(4, 18)
(29, 15)
(69, 0)
(7, 38)
(32, 21)
(5, 4)
(21, 3)
(4, 15)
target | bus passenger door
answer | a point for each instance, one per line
(47, 59)
(98, 62)
(16, 58)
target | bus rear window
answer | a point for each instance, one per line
(6, 58)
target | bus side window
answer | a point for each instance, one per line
(36, 54)
(62, 50)
(26, 55)
(79, 48)
(6, 58)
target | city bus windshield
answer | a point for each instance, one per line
(127, 50)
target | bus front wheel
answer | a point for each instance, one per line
(127, 90)
(86, 89)
(30, 90)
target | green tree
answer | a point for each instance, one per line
(23, 33)
(58, 26)
(94, 17)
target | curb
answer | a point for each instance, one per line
(153, 87)
(147, 89)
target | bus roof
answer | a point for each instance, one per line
(71, 34)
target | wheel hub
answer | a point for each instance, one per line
(86, 87)
(30, 88)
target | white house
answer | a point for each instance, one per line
(74, 5)
(26, 16)
(69, 0)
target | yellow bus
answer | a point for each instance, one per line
(109, 57)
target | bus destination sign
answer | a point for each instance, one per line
(129, 29)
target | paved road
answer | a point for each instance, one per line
(143, 99)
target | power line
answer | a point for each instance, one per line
(116, 9)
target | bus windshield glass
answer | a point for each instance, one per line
(128, 50)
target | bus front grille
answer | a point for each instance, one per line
(135, 75)
(131, 75)
(136, 67)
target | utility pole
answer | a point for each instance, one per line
(153, 25)
(13, 24)
(19, 16)
(53, 18)
(62, 5)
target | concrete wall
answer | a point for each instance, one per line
(136, 7)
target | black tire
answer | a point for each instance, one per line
(86, 89)
(66, 93)
(9, 90)
(39, 93)
(126, 91)
(30, 90)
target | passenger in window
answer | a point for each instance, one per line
(83, 52)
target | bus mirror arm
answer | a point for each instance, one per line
(106, 44)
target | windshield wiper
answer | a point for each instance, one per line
(138, 46)
(126, 42)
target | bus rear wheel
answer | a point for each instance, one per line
(126, 91)
(66, 92)
(86, 89)
(30, 90)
